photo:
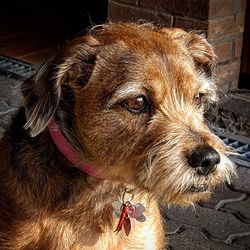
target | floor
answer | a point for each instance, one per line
(29, 43)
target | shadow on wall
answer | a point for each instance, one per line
(67, 17)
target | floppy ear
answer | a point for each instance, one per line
(201, 51)
(42, 91)
(42, 94)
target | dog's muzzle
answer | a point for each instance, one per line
(204, 159)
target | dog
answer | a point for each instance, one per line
(111, 127)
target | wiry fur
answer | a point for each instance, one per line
(45, 202)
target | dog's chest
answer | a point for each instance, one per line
(146, 235)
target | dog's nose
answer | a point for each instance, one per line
(204, 159)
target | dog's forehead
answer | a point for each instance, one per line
(142, 38)
(145, 58)
(148, 57)
(169, 70)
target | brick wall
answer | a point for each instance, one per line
(221, 20)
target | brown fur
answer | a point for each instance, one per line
(45, 202)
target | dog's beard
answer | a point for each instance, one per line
(170, 178)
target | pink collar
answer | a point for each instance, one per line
(68, 151)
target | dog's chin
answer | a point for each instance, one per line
(192, 195)
(198, 189)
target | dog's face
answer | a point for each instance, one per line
(139, 98)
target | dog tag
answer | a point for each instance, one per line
(127, 226)
(127, 211)
(136, 211)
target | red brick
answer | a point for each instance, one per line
(193, 8)
(240, 20)
(129, 2)
(188, 8)
(240, 5)
(227, 75)
(219, 8)
(121, 12)
(159, 5)
(223, 51)
(190, 24)
(238, 46)
(222, 27)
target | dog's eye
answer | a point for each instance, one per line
(199, 99)
(136, 105)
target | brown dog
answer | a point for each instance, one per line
(112, 124)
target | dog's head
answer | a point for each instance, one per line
(132, 98)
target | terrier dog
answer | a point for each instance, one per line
(110, 127)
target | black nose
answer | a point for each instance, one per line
(204, 159)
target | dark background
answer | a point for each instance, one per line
(68, 17)
(31, 31)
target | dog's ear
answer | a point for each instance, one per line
(42, 91)
(41, 95)
(201, 51)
